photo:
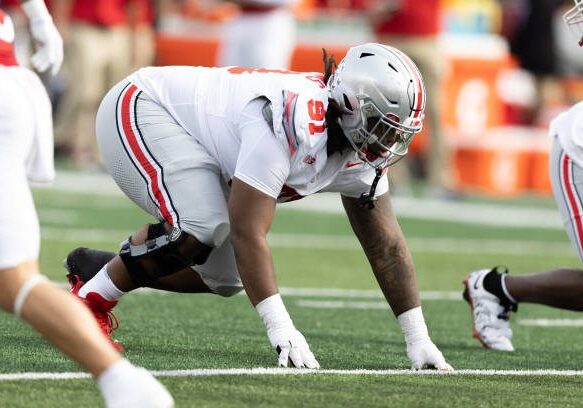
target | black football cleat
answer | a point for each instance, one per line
(84, 263)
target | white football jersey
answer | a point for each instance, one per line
(208, 102)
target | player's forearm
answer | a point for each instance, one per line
(383, 242)
(255, 266)
(393, 268)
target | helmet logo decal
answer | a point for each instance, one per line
(309, 159)
(366, 54)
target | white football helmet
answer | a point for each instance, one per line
(381, 96)
(574, 19)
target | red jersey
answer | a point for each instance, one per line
(414, 18)
(105, 13)
(6, 40)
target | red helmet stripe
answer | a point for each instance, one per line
(417, 81)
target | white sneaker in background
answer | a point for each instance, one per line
(491, 319)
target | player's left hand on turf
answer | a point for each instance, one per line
(292, 347)
(426, 355)
(49, 46)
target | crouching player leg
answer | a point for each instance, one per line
(66, 323)
(167, 173)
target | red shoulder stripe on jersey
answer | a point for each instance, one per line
(289, 112)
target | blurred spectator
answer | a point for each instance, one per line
(104, 41)
(261, 35)
(532, 42)
(413, 26)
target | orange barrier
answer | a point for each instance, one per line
(202, 51)
(504, 162)
(470, 95)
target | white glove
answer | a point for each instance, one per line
(48, 41)
(425, 355)
(289, 343)
(420, 349)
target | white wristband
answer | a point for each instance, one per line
(413, 326)
(273, 313)
(35, 10)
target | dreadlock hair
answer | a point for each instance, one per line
(330, 65)
(337, 142)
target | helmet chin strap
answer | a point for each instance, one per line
(367, 199)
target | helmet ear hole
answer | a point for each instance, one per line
(347, 103)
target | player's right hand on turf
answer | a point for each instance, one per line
(292, 347)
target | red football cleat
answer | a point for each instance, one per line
(101, 310)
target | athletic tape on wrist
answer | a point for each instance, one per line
(273, 312)
(24, 291)
(413, 325)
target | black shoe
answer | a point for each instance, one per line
(82, 263)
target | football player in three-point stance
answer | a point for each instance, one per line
(26, 153)
(492, 293)
(210, 152)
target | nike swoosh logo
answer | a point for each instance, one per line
(476, 284)
(7, 30)
(352, 164)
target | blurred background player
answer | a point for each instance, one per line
(491, 293)
(260, 137)
(104, 41)
(413, 26)
(26, 143)
(261, 35)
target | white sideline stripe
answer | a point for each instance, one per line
(294, 371)
(343, 304)
(551, 322)
(424, 208)
(343, 242)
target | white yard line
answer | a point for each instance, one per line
(344, 242)
(292, 371)
(551, 322)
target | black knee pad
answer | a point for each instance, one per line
(163, 253)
